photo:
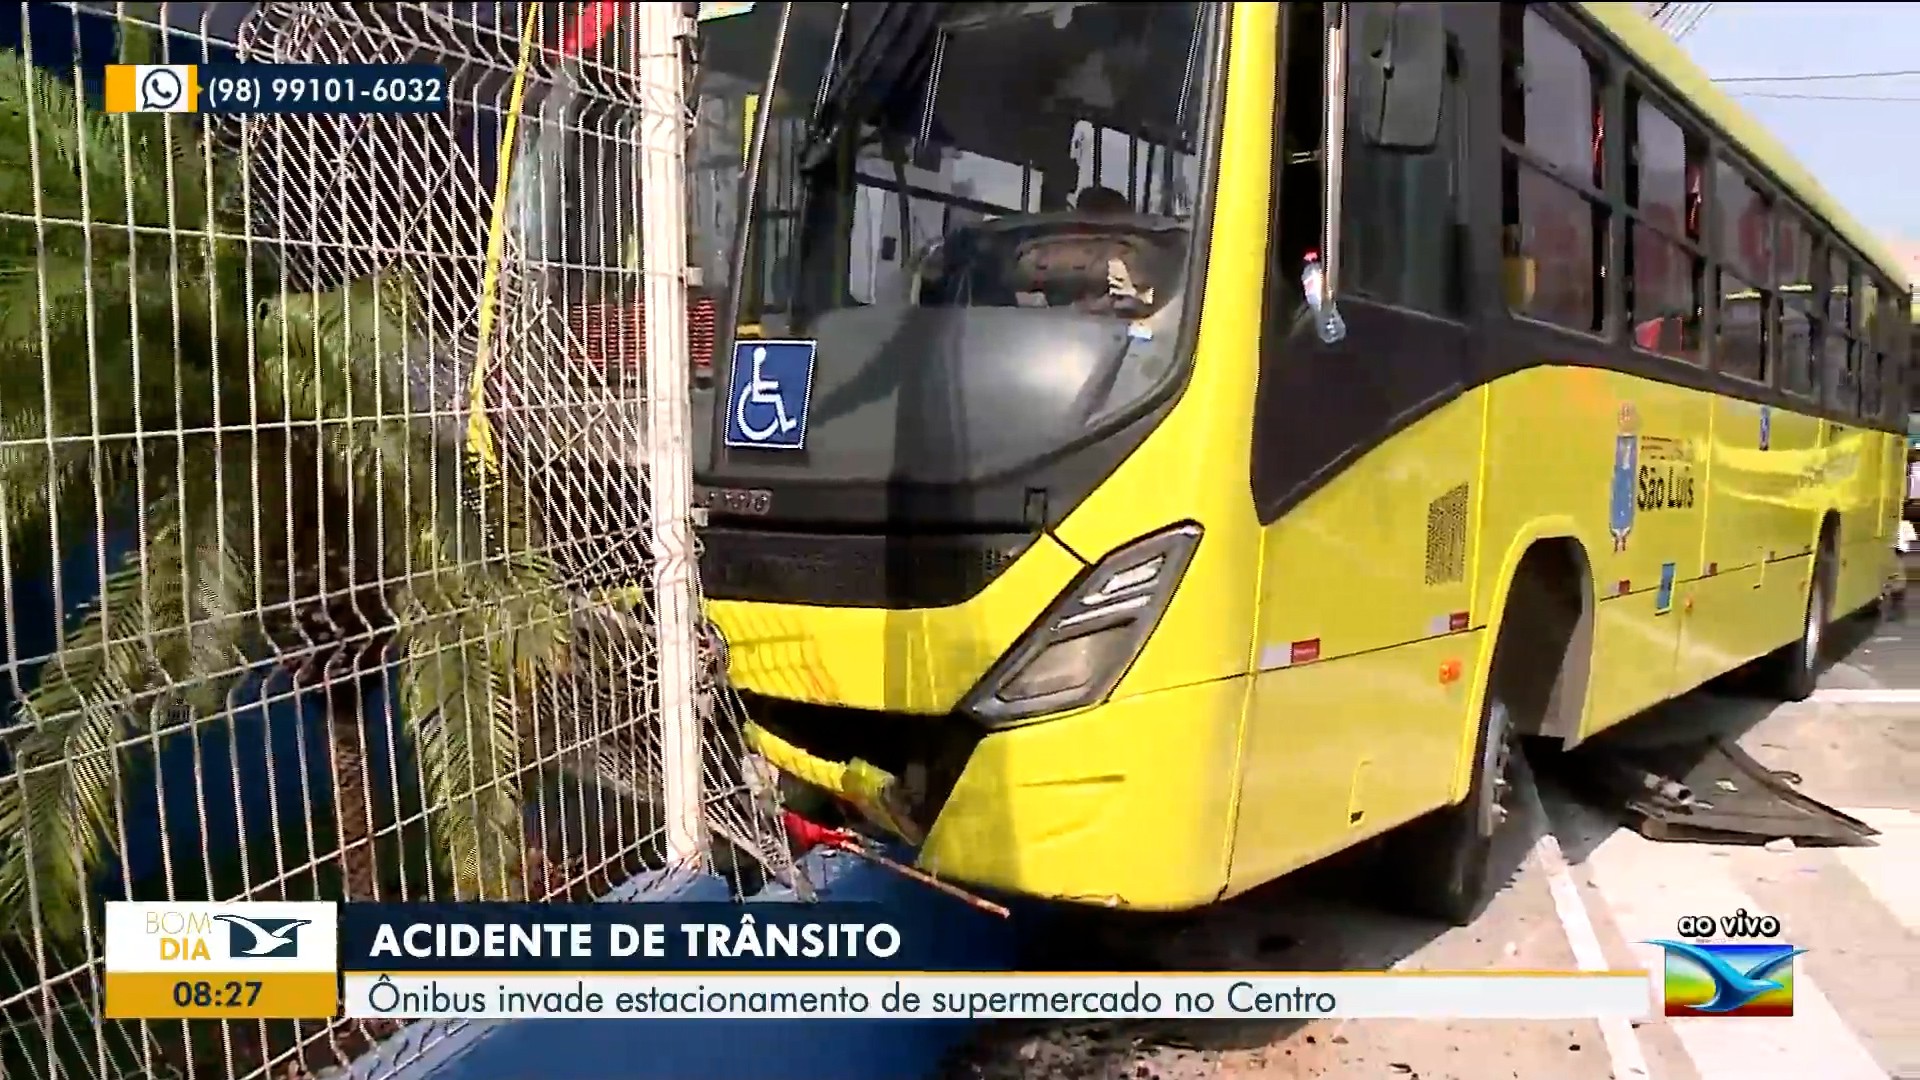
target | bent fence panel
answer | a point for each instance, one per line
(344, 542)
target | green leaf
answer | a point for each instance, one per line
(469, 750)
(139, 43)
(143, 633)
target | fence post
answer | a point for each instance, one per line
(661, 30)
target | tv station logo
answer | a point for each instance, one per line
(1749, 976)
(152, 88)
(272, 961)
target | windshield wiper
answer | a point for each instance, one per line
(892, 51)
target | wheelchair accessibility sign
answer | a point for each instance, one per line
(767, 398)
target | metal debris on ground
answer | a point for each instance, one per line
(1751, 804)
(807, 834)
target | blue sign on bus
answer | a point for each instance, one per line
(767, 394)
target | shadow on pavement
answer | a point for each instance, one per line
(1327, 917)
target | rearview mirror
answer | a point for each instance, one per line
(1399, 73)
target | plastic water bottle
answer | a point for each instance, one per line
(1326, 314)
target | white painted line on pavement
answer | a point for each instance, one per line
(1647, 887)
(1625, 1056)
(1839, 696)
(1891, 869)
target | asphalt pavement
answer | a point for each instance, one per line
(1584, 893)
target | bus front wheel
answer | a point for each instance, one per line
(1441, 866)
(1792, 672)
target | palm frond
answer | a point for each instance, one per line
(53, 293)
(476, 618)
(111, 275)
(167, 612)
(468, 743)
(139, 43)
(84, 162)
(475, 642)
(336, 356)
(38, 113)
(55, 807)
(33, 475)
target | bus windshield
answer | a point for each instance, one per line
(1005, 184)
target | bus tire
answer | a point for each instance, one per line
(1440, 867)
(1792, 672)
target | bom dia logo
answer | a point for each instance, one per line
(184, 935)
(188, 960)
(1729, 978)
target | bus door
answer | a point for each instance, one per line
(1347, 596)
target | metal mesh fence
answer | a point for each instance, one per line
(344, 542)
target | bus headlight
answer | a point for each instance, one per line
(1075, 654)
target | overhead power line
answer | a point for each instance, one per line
(1676, 19)
(1684, 25)
(1838, 77)
(1661, 14)
(1821, 97)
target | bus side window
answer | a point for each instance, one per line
(1404, 236)
(1744, 345)
(1663, 263)
(1554, 215)
(1866, 334)
(1893, 326)
(1793, 274)
(1840, 354)
(1297, 225)
(1910, 375)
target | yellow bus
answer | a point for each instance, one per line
(1128, 490)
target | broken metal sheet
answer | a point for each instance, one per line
(1709, 792)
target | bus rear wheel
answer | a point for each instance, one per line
(1441, 866)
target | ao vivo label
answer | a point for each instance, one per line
(1737, 925)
